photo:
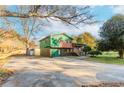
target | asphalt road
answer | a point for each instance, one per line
(60, 72)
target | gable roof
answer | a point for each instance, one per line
(55, 35)
(67, 36)
(45, 38)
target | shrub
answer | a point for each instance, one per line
(86, 49)
(94, 53)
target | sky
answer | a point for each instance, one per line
(102, 13)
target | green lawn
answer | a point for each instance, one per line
(107, 57)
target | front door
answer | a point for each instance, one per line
(55, 52)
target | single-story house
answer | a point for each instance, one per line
(59, 45)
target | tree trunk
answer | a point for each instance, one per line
(121, 53)
(27, 51)
(27, 47)
(85, 53)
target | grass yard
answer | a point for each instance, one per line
(107, 57)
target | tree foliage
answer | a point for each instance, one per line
(86, 38)
(86, 49)
(112, 33)
(89, 39)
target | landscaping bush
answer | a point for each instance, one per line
(94, 53)
(86, 49)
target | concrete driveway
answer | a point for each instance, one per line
(60, 72)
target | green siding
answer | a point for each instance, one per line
(45, 43)
(55, 39)
(54, 52)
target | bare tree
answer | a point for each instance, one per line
(29, 26)
(70, 14)
(33, 17)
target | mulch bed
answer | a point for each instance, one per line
(103, 84)
(4, 74)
